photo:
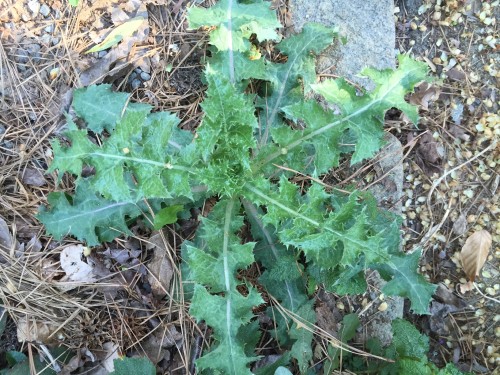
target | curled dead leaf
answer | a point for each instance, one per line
(466, 287)
(160, 268)
(77, 271)
(424, 94)
(475, 252)
(32, 330)
(429, 154)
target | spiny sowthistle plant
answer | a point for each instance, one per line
(145, 166)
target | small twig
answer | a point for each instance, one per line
(197, 350)
(53, 362)
(485, 296)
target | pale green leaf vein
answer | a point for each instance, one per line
(281, 91)
(315, 223)
(127, 158)
(225, 255)
(327, 127)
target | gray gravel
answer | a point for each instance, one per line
(34, 7)
(45, 10)
(136, 83)
(145, 76)
(7, 144)
(50, 28)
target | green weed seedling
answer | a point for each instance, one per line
(145, 166)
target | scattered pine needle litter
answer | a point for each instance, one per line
(36, 82)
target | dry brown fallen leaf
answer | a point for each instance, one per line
(475, 252)
(160, 268)
(425, 94)
(33, 177)
(28, 330)
(467, 287)
(77, 271)
(6, 240)
(429, 154)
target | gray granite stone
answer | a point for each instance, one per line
(367, 26)
(44, 10)
(34, 7)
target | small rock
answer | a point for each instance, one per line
(33, 50)
(45, 10)
(22, 56)
(34, 177)
(54, 41)
(136, 83)
(45, 39)
(2, 129)
(145, 76)
(101, 54)
(50, 28)
(7, 144)
(25, 17)
(34, 7)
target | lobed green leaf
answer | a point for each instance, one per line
(87, 216)
(99, 106)
(404, 281)
(215, 265)
(284, 280)
(142, 158)
(288, 81)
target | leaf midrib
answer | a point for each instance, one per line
(228, 292)
(126, 158)
(93, 212)
(270, 119)
(327, 127)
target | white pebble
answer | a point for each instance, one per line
(44, 10)
(34, 7)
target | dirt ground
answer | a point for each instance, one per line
(451, 168)
(452, 171)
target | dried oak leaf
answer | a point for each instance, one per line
(424, 94)
(475, 252)
(429, 154)
(77, 271)
(37, 331)
(160, 268)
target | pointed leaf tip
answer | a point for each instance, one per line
(475, 252)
